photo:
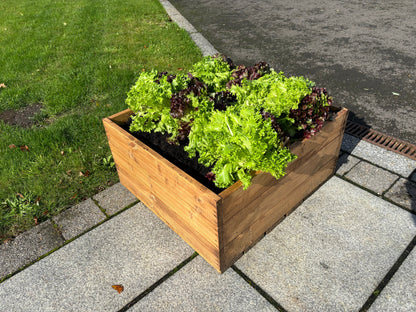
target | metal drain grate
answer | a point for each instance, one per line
(380, 139)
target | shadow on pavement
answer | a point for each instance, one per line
(411, 191)
(362, 121)
(350, 142)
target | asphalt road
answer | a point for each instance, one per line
(364, 52)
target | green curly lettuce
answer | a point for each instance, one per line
(235, 143)
(273, 92)
(214, 72)
(149, 99)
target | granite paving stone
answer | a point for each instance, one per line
(403, 192)
(371, 177)
(384, 158)
(345, 163)
(332, 251)
(198, 287)
(27, 247)
(79, 218)
(399, 295)
(115, 198)
(206, 47)
(134, 249)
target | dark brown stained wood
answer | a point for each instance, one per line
(221, 227)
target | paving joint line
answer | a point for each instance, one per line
(408, 180)
(348, 171)
(125, 208)
(31, 263)
(388, 276)
(375, 194)
(101, 208)
(390, 187)
(56, 227)
(375, 165)
(157, 283)
(261, 291)
(399, 205)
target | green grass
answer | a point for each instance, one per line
(78, 59)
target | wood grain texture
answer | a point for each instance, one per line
(221, 227)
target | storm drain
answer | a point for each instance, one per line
(380, 139)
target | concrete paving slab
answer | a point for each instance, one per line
(374, 178)
(332, 252)
(399, 164)
(115, 198)
(134, 249)
(198, 287)
(27, 247)
(345, 163)
(403, 192)
(400, 293)
(206, 47)
(79, 218)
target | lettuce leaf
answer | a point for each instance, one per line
(212, 71)
(273, 92)
(149, 99)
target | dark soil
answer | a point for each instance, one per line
(23, 117)
(176, 155)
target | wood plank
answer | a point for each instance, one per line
(191, 215)
(121, 118)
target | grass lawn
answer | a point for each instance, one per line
(76, 59)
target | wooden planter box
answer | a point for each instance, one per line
(222, 227)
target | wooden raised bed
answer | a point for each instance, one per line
(222, 227)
